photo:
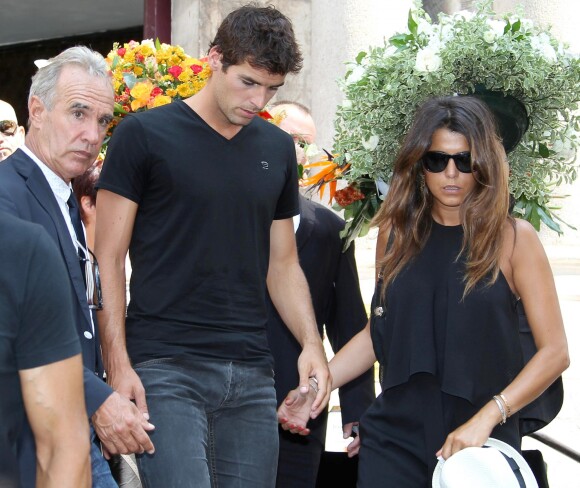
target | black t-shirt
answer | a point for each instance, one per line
(200, 245)
(36, 323)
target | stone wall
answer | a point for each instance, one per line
(332, 32)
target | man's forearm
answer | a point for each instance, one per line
(291, 297)
(112, 317)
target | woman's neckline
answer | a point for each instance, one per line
(455, 226)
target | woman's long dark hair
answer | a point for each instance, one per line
(407, 206)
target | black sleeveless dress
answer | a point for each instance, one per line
(442, 358)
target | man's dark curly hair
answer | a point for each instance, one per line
(262, 36)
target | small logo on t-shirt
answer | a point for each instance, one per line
(264, 164)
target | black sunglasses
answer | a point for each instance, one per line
(8, 127)
(435, 161)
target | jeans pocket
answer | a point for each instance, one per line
(154, 362)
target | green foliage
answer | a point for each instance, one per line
(508, 54)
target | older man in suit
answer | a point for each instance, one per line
(333, 281)
(70, 107)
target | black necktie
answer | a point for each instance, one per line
(75, 216)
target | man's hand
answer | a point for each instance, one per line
(127, 383)
(121, 427)
(351, 430)
(295, 411)
(315, 375)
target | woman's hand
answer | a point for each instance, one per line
(296, 410)
(473, 433)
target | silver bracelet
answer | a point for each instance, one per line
(508, 409)
(313, 382)
(501, 409)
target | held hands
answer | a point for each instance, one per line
(296, 410)
(120, 424)
(121, 427)
(313, 366)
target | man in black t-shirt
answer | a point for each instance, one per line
(41, 369)
(202, 193)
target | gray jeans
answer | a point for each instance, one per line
(215, 425)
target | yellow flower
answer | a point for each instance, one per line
(185, 90)
(160, 100)
(146, 50)
(140, 93)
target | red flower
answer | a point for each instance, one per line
(121, 51)
(156, 91)
(348, 195)
(196, 68)
(175, 71)
(139, 58)
(265, 115)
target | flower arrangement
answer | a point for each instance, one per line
(149, 74)
(459, 55)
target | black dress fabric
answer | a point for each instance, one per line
(442, 356)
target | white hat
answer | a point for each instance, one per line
(496, 464)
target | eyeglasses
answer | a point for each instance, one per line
(436, 161)
(8, 127)
(92, 279)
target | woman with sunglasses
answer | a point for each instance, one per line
(452, 264)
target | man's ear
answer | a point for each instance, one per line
(214, 59)
(20, 134)
(36, 110)
(87, 204)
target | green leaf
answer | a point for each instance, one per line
(399, 40)
(516, 26)
(412, 24)
(546, 217)
(157, 43)
(130, 80)
(119, 109)
(360, 57)
(543, 150)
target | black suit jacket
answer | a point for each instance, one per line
(338, 305)
(25, 193)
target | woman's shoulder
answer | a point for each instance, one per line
(521, 241)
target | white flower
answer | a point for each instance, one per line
(424, 27)
(541, 43)
(371, 143)
(527, 24)
(355, 75)
(445, 32)
(463, 14)
(311, 151)
(428, 60)
(347, 104)
(497, 27)
(382, 188)
(489, 36)
(148, 42)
